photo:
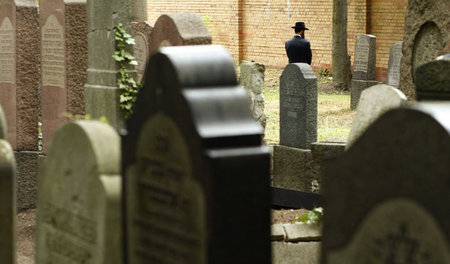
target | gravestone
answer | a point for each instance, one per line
(179, 29)
(102, 95)
(197, 176)
(252, 78)
(374, 101)
(395, 57)
(79, 196)
(63, 62)
(395, 179)
(426, 33)
(19, 74)
(142, 32)
(7, 197)
(433, 79)
(364, 67)
(298, 106)
(138, 10)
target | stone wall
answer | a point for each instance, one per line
(256, 30)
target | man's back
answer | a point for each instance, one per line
(298, 49)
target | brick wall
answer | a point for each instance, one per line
(257, 29)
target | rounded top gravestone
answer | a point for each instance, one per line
(179, 29)
(79, 196)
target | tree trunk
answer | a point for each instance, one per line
(138, 10)
(341, 60)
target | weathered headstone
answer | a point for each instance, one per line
(179, 29)
(138, 10)
(102, 95)
(298, 106)
(19, 74)
(79, 213)
(252, 78)
(374, 102)
(364, 67)
(63, 62)
(7, 197)
(426, 33)
(190, 140)
(395, 57)
(142, 32)
(433, 79)
(391, 189)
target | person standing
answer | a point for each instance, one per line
(298, 49)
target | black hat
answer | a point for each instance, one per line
(300, 25)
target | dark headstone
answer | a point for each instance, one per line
(298, 106)
(142, 32)
(433, 79)
(358, 86)
(19, 73)
(386, 198)
(395, 57)
(79, 196)
(197, 176)
(426, 33)
(63, 62)
(179, 29)
(364, 65)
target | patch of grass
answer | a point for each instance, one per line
(334, 118)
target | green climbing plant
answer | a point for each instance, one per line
(314, 216)
(125, 81)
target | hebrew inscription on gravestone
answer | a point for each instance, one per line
(53, 53)
(7, 52)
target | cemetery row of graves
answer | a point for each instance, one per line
(186, 178)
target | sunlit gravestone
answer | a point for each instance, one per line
(79, 197)
(196, 176)
(7, 197)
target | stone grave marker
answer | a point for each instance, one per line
(374, 101)
(142, 32)
(395, 179)
(364, 67)
(179, 29)
(189, 141)
(298, 106)
(63, 62)
(138, 10)
(102, 95)
(395, 57)
(426, 33)
(433, 79)
(19, 74)
(7, 197)
(252, 78)
(79, 196)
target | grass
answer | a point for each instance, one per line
(334, 117)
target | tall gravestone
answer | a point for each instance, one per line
(19, 74)
(63, 62)
(7, 197)
(138, 10)
(374, 101)
(102, 94)
(395, 179)
(433, 79)
(79, 197)
(197, 176)
(179, 29)
(252, 78)
(426, 33)
(298, 106)
(395, 57)
(142, 32)
(364, 67)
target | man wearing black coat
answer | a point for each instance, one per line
(298, 48)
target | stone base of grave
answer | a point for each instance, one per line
(299, 169)
(295, 243)
(356, 89)
(27, 164)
